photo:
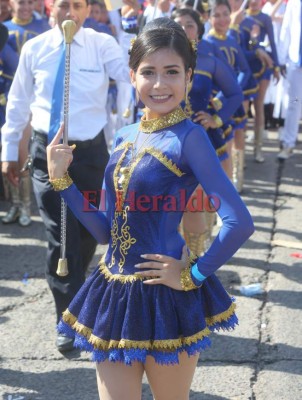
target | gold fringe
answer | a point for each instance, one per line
(168, 344)
(119, 277)
(221, 150)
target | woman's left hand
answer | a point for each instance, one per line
(165, 270)
(205, 119)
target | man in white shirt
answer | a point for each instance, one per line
(290, 53)
(94, 57)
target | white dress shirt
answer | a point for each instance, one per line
(94, 58)
(289, 44)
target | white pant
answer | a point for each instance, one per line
(291, 126)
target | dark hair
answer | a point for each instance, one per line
(216, 3)
(158, 34)
(181, 12)
(191, 3)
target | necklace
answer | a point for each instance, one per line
(253, 13)
(217, 35)
(125, 171)
(156, 124)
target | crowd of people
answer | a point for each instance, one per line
(157, 85)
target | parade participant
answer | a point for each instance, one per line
(95, 57)
(209, 73)
(22, 27)
(149, 306)
(250, 90)
(5, 10)
(234, 56)
(291, 55)
(260, 70)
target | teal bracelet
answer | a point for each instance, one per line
(197, 275)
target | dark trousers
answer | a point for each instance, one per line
(87, 172)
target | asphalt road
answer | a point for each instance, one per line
(260, 360)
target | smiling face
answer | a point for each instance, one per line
(76, 10)
(160, 81)
(22, 9)
(189, 26)
(220, 19)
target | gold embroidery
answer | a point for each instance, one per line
(123, 238)
(205, 73)
(121, 182)
(169, 344)
(164, 160)
(122, 146)
(156, 124)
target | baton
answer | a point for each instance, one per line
(69, 28)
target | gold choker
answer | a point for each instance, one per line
(217, 35)
(156, 124)
(252, 13)
(22, 22)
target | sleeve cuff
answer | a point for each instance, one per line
(197, 276)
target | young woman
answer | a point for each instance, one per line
(260, 70)
(149, 306)
(220, 20)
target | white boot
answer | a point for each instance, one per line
(13, 213)
(258, 157)
(238, 169)
(25, 197)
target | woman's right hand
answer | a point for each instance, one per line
(59, 156)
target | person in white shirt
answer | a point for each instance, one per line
(290, 54)
(94, 58)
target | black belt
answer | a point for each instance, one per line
(81, 144)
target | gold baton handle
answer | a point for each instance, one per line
(69, 28)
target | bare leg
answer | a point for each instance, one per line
(118, 381)
(171, 382)
(227, 166)
(259, 119)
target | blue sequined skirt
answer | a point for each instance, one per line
(119, 318)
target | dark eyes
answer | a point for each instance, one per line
(150, 72)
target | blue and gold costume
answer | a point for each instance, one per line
(212, 73)
(235, 58)
(242, 34)
(8, 65)
(115, 315)
(259, 69)
(19, 33)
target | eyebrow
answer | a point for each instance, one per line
(166, 66)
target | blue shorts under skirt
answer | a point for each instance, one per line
(119, 318)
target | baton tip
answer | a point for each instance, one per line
(62, 269)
